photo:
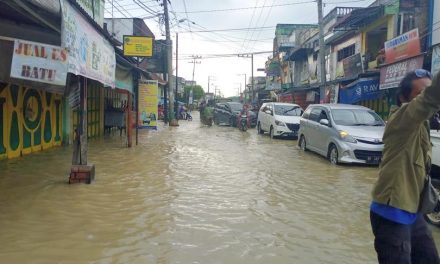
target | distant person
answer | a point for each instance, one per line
(401, 233)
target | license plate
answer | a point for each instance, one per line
(373, 159)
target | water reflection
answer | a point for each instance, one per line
(190, 194)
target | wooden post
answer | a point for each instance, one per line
(81, 171)
(129, 126)
(83, 131)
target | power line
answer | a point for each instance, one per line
(187, 18)
(249, 26)
(256, 24)
(229, 29)
(264, 23)
(245, 8)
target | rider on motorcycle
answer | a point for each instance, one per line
(243, 113)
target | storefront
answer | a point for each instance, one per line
(32, 82)
(365, 91)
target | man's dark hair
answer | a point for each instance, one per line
(406, 85)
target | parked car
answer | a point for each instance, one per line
(342, 133)
(279, 119)
(434, 218)
(227, 113)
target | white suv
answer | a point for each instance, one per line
(279, 119)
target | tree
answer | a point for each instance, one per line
(198, 92)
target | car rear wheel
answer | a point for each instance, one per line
(333, 155)
(259, 130)
(303, 143)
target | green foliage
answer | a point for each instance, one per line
(198, 92)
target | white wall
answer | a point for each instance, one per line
(436, 27)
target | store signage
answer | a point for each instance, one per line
(352, 66)
(39, 62)
(403, 47)
(90, 54)
(435, 66)
(138, 46)
(391, 75)
(148, 104)
(360, 90)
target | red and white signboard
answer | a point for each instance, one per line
(39, 62)
(391, 75)
(402, 47)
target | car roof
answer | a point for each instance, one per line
(285, 104)
(236, 103)
(340, 106)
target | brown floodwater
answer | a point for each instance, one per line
(190, 194)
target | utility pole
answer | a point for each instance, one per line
(253, 90)
(169, 61)
(194, 62)
(176, 107)
(210, 79)
(321, 44)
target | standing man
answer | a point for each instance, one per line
(401, 233)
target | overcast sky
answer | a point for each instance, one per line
(225, 70)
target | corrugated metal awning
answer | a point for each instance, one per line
(360, 18)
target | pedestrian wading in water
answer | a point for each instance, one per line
(401, 233)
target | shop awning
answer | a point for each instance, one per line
(360, 17)
(360, 90)
(300, 53)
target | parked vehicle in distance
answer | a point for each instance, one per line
(279, 119)
(227, 113)
(342, 133)
(434, 218)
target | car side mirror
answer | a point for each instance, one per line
(324, 122)
(268, 112)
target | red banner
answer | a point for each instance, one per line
(403, 47)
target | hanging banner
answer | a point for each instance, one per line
(95, 9)
(90, 54)
(403, 47)
(148, 104)
(392, 75)
(352, 66)
(360, 90)
(39, 62)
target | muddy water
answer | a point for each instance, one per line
(187, 195)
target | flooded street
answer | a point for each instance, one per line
(190, 194)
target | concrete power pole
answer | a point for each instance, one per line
(253, 81)
(169, 60)
(321, 44)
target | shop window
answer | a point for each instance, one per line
(346, 52)
(406, 22)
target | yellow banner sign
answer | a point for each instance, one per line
(138, 46)
(148, 104)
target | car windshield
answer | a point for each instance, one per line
(356, 117)
(236, 107)
(288, 110)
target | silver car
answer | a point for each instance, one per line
(342, 133)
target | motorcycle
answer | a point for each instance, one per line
(185, 116)
(243, 121)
